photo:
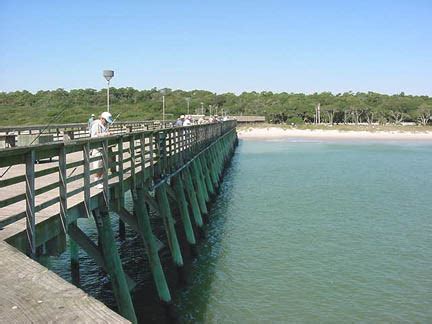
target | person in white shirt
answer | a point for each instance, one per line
(187, 121)
(100, 128)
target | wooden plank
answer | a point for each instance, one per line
(30, 293)
(12, 181)
(12, 200)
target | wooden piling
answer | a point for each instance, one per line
(199, 188)
(165, 210)
(113, 265)
(74, 260)
(183, 207)
(207, 176)
(192, 199)
(145, 230)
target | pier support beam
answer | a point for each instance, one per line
(207, 176)
(93, 250)
(165, 210)
(184, 212)
(144, 228)
(192, 199)
(199, 188)
(122, 230)
(74, 260)
(114, 266)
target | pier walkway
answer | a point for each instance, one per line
(173, 172)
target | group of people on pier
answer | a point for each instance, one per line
(100, 127)
(189, 120)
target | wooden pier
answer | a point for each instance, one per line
(169, 172)
(250, 119)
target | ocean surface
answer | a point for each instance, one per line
(318, 232)
(301, 232)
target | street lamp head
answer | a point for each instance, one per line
(108, 74)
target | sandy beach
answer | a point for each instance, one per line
(272, 133)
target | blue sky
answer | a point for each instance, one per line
(222, 46)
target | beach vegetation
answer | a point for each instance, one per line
(349, 108)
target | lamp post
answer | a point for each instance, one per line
(188, 104)
(163, 107)
(108, 75)
(202, 108)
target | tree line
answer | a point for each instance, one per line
(24, 107)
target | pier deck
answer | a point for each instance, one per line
(30, 293)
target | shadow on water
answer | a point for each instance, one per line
(190, 289)
(192, 301)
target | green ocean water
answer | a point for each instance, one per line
(317, 232)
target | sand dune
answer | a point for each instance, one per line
(262, 133)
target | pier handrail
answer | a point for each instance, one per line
(51, 187)
(60, 132)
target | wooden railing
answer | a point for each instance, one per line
(24, 135)
(30, 190)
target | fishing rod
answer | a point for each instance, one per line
(40, 133)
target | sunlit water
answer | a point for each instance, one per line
(307, 232)
(302, 232)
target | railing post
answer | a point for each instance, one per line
(162, 153)
(132, 154)
(86, 153)
(105, 163)
(121, 202)
(63, 187)
(144, 174)
(30, 202)
(151, 151)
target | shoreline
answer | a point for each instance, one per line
(279, 133)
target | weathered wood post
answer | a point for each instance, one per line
(144, 227)
(207, 175)
(74, 260)
(165, 210)
(184, 212)
(113, 264)
(192, 199)
(199, 187)
(30, 202)
(121, 202)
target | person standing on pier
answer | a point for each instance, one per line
(100, 128)
(187, 121)
(179, 121)
(90, 122)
